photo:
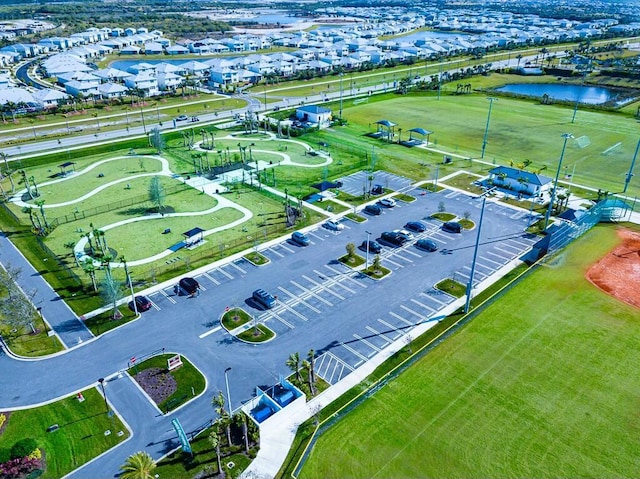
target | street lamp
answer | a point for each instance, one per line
(226, 381)
(104, 394)
(128, 279)
(486, 130)
(627, 179)
(341, 96)
(566, 137)
(144, 126)
(475, 257)
(366, 264)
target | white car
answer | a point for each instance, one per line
(388, 202)
(408, 234)
(333, 225)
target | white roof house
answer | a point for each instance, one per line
(314, 114)
(144, 81)
(49, 98)
(112, 90)
(168, 81)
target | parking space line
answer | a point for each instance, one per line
(508, 254)
(505, 244)
(432, 297)
(238, 267)
(476, 274)
(324, 288)
(372, 346)
(313, 233)
(287, 307)
(333, 281)
(422, 305)
(286, 248)
(409, 310)
(272, 250)
(490, 260)
(388, 325)
(162, 291)
(211, 278)
(379, 334)
(225, 273)
(272, 313)
(403, 258)
(349, 348)
(411, 252)
(386, 258)
(311, 293)
(346, 276)
(298, 299)
(397, 316)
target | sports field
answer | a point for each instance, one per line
(543, 383)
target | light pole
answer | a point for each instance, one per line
(566, 137)
(226, 381)
(144, 126)
(475, 256)
(128, 279)
(627, 180)
(104, 394)
(366, 263)
(340, 96)
(486, 130)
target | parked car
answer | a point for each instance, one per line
(405, 233)
(377, 190)
(333, 225)
(142, 304)
(265, 299)
(393, 238)
(427, 245)
(182, 118)
(388, 202)
(416, 226)
(189, 285)
(374, 247)
(300, 238)
(452, 227)
(373, 210)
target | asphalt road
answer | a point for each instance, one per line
(345, 317)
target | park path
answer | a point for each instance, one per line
(57, 314)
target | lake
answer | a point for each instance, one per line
(583, 94)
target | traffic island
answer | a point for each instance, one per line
(259, 333)
(352, 260)
(234, 318)
(376, 272)
(257, 259)
(451, 287)
(169, 380)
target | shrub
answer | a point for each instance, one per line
(5, 455)
(3, 418)
(23, 448)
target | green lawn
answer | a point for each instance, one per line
(27, 343)
(542, 383)
(190, 382)
(80, 436)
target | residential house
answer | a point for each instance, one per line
(143, 81)
(49, 98)
(314, 114)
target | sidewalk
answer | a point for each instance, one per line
(56, 313)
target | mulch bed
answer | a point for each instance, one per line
(618, 273)
(157, 383)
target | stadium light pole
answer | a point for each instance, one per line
(475, 257)
(366, 263)
(566, 137)
(627, 180)
(341, 96)
(486, 130)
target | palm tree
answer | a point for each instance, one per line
(29, 210)
(138, 466)
(241, 419)
(311, 356)
(89, 268)
(294, 364)
(214, 440)
(306, 365)
(40, 204)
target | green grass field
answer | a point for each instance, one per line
(543, 383)
(80, 436)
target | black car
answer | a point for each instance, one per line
(189, 285)
(374, 247)
(373, 209)
(427, 245)
(377, 190)
(452, 227)
(265, 299)
(416, 226)
(142, 304)
(393, 238)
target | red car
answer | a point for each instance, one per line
(142, 304)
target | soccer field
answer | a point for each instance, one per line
(543, 383)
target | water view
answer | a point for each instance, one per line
(580, 93)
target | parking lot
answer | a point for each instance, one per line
(347, 317)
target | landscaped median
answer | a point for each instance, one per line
(245, 327)
(169, 380)
(355, 261)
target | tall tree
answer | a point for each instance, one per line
(89, 268)
(311, 357)
(214, 440)
(111, 292)
(156, 193)
(138, 466)
(294, 364)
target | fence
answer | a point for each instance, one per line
(98, 210)
(61, 263)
